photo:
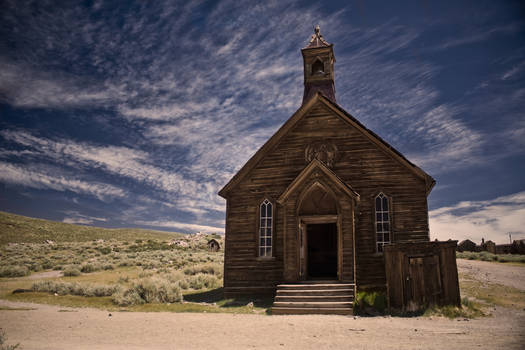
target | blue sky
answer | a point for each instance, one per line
(135, 113)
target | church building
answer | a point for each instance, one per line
(320, 200)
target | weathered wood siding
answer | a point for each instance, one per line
(360, 163)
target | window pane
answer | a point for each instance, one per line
(269, 251)
(387, 236)
(386, 226)
(261, 251)
(268, 222)
(261, 243)
(262, 223)
(378, 216)
(379, 228)
(262, 232)
(268, 231)
(380, 237)
(385, 216)
(263, 210)
(378, 203)
(268, 242)
(385, 204)
(269, 210)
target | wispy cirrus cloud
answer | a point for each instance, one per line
(479, 34)
(117, 161)
(180, 94)
(43, 177)
(490, 219)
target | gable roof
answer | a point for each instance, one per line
(303, 175)
(345, 116)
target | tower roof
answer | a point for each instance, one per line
(317, 40)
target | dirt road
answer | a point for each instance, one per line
(51, 327)
(484, 271)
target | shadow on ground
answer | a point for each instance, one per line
(217, 296)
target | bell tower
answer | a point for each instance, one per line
(319, 59)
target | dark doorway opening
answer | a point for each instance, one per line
(322, 250)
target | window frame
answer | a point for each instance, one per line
(382, 242)
(268, 249)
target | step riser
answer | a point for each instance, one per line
(312, 305)
(313, 293)
(279, 311)
(314, 286)
(314, 298)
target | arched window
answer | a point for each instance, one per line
(383, 235)
(317, 67)
(265, 228)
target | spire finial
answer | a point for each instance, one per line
(317, 39)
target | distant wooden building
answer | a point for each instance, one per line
(466, 246)
(321, 198)
(213, 245)
(488, 246)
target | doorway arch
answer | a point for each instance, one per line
(319, 234)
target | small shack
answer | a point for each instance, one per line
(419, 274)
(213, 245)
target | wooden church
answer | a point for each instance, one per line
(319, 201)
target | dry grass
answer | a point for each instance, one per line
(492, 293)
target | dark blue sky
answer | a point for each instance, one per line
(136, 113)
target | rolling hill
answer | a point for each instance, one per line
(22, 229)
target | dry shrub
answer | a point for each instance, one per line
(212, 269)
(202, 280)
(87, 268)
(66, 288)
(70, 271)
(149, 290)
(14, 271)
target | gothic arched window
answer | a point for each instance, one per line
(317, 67)
(265, 228)
(383, 233)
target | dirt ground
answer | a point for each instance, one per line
(484, 271)
(53, 327)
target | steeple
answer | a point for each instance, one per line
(319, 59)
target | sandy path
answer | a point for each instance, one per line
(53, 327)
(484, 271)
(45, 274)
(49, 327)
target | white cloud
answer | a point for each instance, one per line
(74, 217)
(40, 179)
(491, 219)
(125, 162)
(181, 226)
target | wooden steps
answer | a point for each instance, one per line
(314, 297)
